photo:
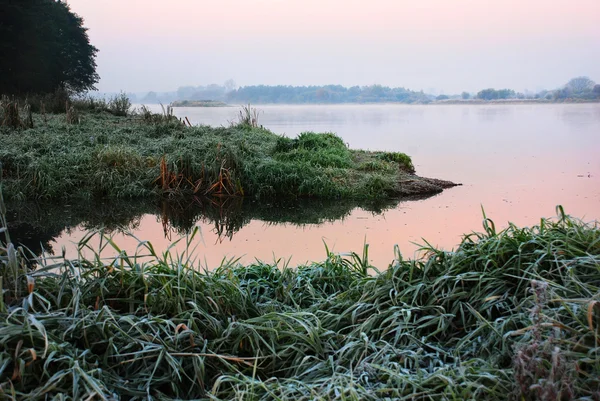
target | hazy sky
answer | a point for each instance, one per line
(449, 45)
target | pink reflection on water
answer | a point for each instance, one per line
(440, 220)
(518, 162)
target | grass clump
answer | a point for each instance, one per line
(513, 314)
(402, 159)
(248, 117)
(318, 150)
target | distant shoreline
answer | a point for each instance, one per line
(192, 103)
(512, 101)
(198, 103)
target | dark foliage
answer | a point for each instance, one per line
(44, 48)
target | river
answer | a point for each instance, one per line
(517, 162)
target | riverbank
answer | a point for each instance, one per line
(464, 102)
(512, 314)
(99, 155)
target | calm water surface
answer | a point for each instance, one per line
(517, 161)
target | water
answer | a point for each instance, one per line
(516, 161)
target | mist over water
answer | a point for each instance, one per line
(434, 45)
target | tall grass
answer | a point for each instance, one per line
(53, 103)
(13, 115)
(89, 104)
(248, 116)
(512, 314)
(59, 102)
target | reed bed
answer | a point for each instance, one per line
(511, 314)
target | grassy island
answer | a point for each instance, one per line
(508, 315)
(95, 154)
(198, 103)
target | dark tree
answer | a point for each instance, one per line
(44, 47)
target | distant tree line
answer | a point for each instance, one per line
(196, 93)
(580, 88)
(325, 94)
(44, 47)
(577, 89)
(257, 94)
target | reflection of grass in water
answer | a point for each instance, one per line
(229, 215)
(225, 213)
(35, 225)
(508, 315)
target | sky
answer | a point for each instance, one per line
(439, 46)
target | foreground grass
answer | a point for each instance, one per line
(99, 155)
(510, 314)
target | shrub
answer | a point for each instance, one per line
(90, 104)
(119, 105)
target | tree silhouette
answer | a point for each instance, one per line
(44, 47)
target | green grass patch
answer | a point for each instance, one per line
(317, 150)
(99, 154)
(513, 314)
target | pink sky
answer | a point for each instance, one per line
(439, 44)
